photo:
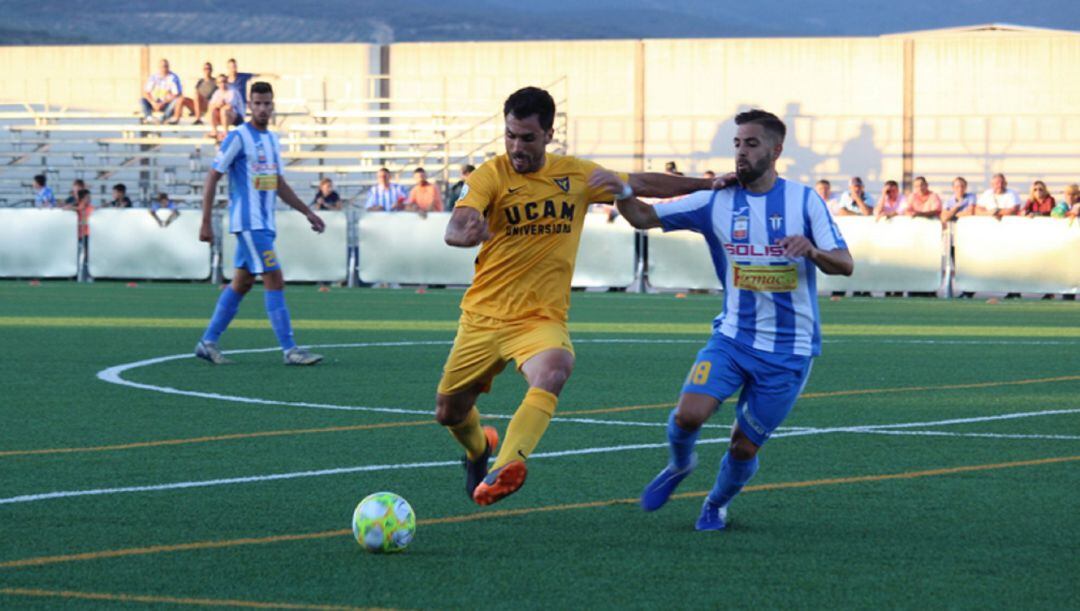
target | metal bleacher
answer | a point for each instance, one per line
(347, 144)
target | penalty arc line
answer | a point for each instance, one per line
(30, 498)
(488, 515)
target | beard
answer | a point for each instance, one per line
(750, 172)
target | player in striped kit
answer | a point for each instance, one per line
(767, 237)
(251, 154)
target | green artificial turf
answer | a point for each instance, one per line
(969, 514)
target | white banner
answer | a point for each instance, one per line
(38, 243)
(402, 247)
(680, 260)
(1017, 254)
(129, 243)
(899, 254)
(606, 254)
(305, 256)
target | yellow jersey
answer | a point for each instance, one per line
(535, 220)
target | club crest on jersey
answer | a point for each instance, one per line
(741, 228)
(563, 183)
(776, 221)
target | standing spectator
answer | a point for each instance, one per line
(239, 80)
(162, 93)
(326, 198)
(119, 196)
(72, 200)
(424, 196)
(162, 202)
(999, 200)
(43, 196)
(892, 202)
(855, 201)
(960, 203)
(824, 190)
(1039, 202)
(226, 109)
(198, 104)
(924, 202)
(385, 196)
(455, 191)
(1070, 204)
(84, 207)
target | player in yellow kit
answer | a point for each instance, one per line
(528, 208)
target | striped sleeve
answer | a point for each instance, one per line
(693, 212)
(230, 148)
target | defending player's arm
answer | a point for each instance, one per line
(287, 195)
(654, 184)
(206, 231)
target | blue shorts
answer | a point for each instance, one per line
(770, 383)
(255, 251)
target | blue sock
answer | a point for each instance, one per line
(732, 477)
(226, 308)
(278, 313)
(682, 442)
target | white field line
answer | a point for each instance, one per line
(883, 428)
(978, 435)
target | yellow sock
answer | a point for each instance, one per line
(527, 426)
(469, 434)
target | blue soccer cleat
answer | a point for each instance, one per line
(713, 516)
(659, 490)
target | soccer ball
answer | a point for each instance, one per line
(383, 522)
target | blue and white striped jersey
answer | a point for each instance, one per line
(770, 301)
(252, 159)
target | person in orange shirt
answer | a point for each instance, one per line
(425, 196)
(526, 209)
(924, 202)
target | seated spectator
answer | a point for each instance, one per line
(385, 196)
(455, 191)
(119, 196)
(1070, 203)
(424, 196)
(1039, 202)
(43, 196)
(73, 200)
(198, 104)
(892, 202)
(824, 190)
(163, 206)
(923, 202)
(960, 203)
(999, 200)
(162, 93)
(226, 109)
(855, 201)
(326, 198)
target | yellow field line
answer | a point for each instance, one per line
(169, 600)
(490, 515)
(652, 328)
(580, 412)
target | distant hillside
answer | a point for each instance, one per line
(383, 21)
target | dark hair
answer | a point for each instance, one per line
(529, 101)
(384, 169)
(824, 182)
(671, 167)
(418, 170)
(892, 183)
(78, 182)
(922, 178)
(961, 179)
(770, 122)
(231, 61)
(164, 196)
(262, 87)
(83, 193)
(325, 181)
(468, 168)
(121, 187)
(39, 179)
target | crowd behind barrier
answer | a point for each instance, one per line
(894, 255)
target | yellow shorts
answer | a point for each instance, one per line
(484, 345)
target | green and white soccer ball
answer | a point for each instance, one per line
(384, 522)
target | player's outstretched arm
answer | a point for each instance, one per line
(637, 213)
(287, 195)
(836, 262)
(467, 227)
(654, 184)
(206, 231)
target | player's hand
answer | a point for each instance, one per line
(796, 246)
(722, 182)
(206, 232)
(476, 229)
(317, 224)
(608, 181)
